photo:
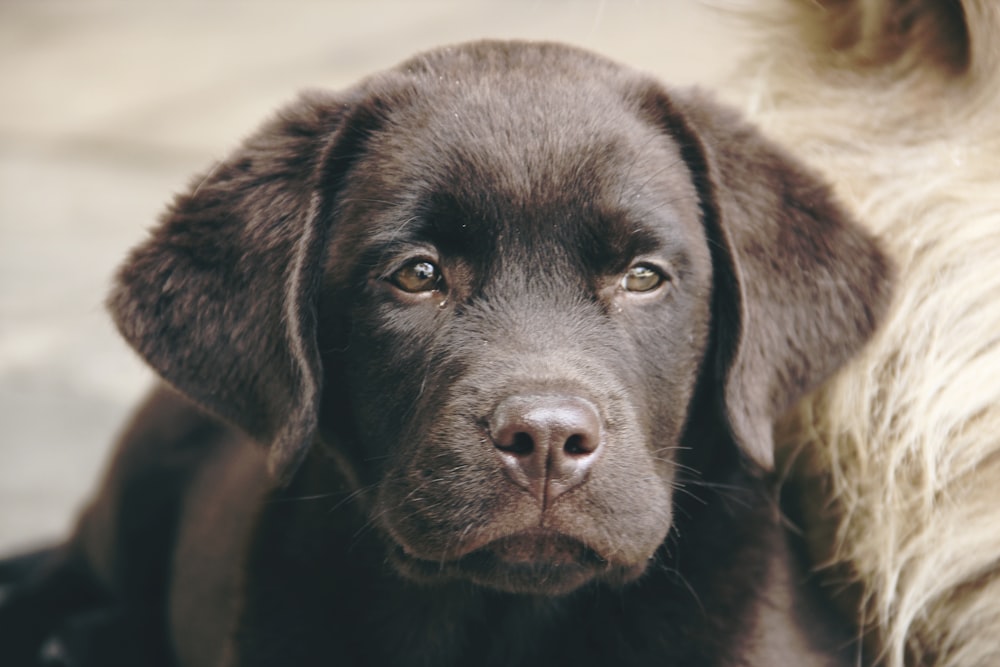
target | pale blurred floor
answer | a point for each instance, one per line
(106, 108)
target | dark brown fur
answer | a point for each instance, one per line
(384, 520)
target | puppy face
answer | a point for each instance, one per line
(492, 279)
(529, 309)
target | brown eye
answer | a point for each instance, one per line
(642, 278)
(419, 276)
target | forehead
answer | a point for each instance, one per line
(524, 155)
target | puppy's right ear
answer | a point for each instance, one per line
(220, 299)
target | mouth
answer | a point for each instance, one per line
(533, 562)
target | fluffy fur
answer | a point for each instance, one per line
(897, 461)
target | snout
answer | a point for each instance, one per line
(527, 473)
(547, 443)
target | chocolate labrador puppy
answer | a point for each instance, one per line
(474, 363)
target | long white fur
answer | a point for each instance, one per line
(899, 455)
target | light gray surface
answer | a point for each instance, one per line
(108, 108)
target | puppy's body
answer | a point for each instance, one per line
(512, 324)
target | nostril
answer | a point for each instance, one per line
(578, 445)
(521, 443)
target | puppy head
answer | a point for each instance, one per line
(495, 276)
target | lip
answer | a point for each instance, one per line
(536, 546)
(530, 562)
(541, 548)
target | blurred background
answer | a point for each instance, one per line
(108, 108)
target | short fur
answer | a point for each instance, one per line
(477, 443)
(897, 460)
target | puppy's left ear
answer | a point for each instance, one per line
(220, 300)
(799, 286)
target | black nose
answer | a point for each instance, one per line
(547, 442)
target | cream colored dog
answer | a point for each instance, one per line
(896, 462)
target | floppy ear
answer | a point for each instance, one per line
(799, 286)
(220, 299)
